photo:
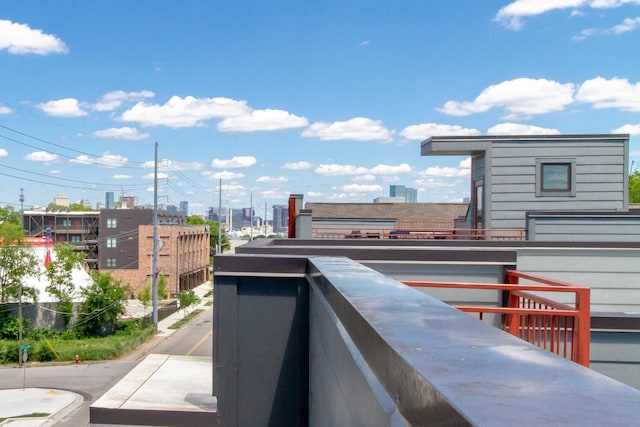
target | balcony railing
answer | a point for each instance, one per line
(563, 329)
(451, 233)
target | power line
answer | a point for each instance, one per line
(50, 143)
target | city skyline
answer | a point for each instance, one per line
(281, 98)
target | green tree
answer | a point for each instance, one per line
(79, 207)
(103, 303)
(17, 262)
(186, 299)
(634, 187)
(8, 215)
(59, 273)
(213, 233)
(144, 296)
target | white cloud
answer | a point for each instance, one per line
(361, 188)
(121, 176)
(340, 170)
(4, 110)
(520, 129)
(630, 129)
(236, 162)
(82, 160)
(166, 164)
(520, 97)
(273, 194)
(235, 189)
(613, 93)
(3, 152)
(260, 120)
(126, 133)
(272, 179)
(41, 156)
(224, 175)
(463, 169)
(356, 129)
(67, 107)
(364, 178)
(112, 160)
(627, 25)
(184, 112)
(54, 171)
(425, 130)
(391, 170)
(431, 183)
(161, 175)
(106, 159)
(20, 39)
(113, 100)
(510, 16)
(346, 170)
(298, 166)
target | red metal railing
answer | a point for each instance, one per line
(563, 329)
(420, 233)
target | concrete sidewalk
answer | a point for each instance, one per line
(18, 406)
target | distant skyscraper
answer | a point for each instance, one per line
(109, 200)
(410, 194)
(184, 207)
(280, 218)
(247, 215)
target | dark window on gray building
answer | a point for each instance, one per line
(555, 177)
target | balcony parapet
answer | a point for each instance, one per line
(380, 353)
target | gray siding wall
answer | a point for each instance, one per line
(612, 274)
(600, 179)
(584, 228)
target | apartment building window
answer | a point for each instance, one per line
(555, 177)
(111, 262)
(75, 238)
(112, 242)
(112, 222)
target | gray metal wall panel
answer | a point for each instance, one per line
(584, 228)
(613, 275)
(599, 178)
(342, 387)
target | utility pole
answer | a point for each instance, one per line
(265, 220)
(251, 218)
(219, 246)
(154, 272)
(21, 200)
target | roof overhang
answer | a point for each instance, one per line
(473, 145)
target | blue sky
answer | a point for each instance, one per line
(330, 100)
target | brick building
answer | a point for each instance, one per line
(126, 247)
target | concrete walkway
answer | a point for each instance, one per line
(18, 406)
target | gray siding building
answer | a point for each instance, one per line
(515, 175)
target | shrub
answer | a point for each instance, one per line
(10, 327)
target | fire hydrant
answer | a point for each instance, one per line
(77, 360)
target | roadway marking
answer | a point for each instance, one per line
(199, 343)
